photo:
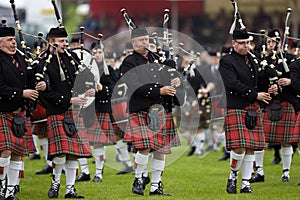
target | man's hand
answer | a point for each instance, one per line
(284, 81)
(41, 86)
(168, 90)
(90, 93)
(273, 89)
(175, 82)
(31, 94)
(264, 96)
(99, 86)
(80, 100)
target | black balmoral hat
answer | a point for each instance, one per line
(272, 33)
(75, 39)
(110, 55)
(240, 34)
(138, 32)
(7, 31)
(214, 52)
(57, 32)
(128, 45)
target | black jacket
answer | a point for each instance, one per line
(287, 94)
(12, 82)
(241, 84)
(144, 80)
(58, 93)
(295, 78)
(103, 97)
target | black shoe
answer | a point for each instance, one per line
(126, 169)
(3, 188)
(285, 179)
(257, 178)
(34, 156)
(53, 191)
(225, 156)
(138, 186)
(276, 160)
(231, 186)
(192, 151)
(83, 177)
(10, 190)
(246, 189)
(73, 195)
(17, 189)
(11, 197)
(97, 179)
(159, 190)
(146, 180)
(46, 170)
(209, 148)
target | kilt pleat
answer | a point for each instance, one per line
(297, 129)
(60, 143)
(8, 141)
(282, 130)
(238, 135)
(118, 130)
(102, 130)
(142, 137)
(39, 129)
(29, 138)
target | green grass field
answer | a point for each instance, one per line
(184, 178)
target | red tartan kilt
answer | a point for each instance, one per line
(282, 130)
(297, 129)
(216, 111)
(39, 129)
(38, 114)
(29, 139)
(8, 141)
(238, 135)
(119, 109)
(119, 131)
(142, 137)
(60, 143)
(102, 130)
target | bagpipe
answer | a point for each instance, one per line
(88, 71)
(274, 65)
(261, 61)
(33, 77)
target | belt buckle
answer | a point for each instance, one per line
(18, 110)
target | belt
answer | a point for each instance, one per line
(18, 110)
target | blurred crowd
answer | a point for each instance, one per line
(206, 29)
